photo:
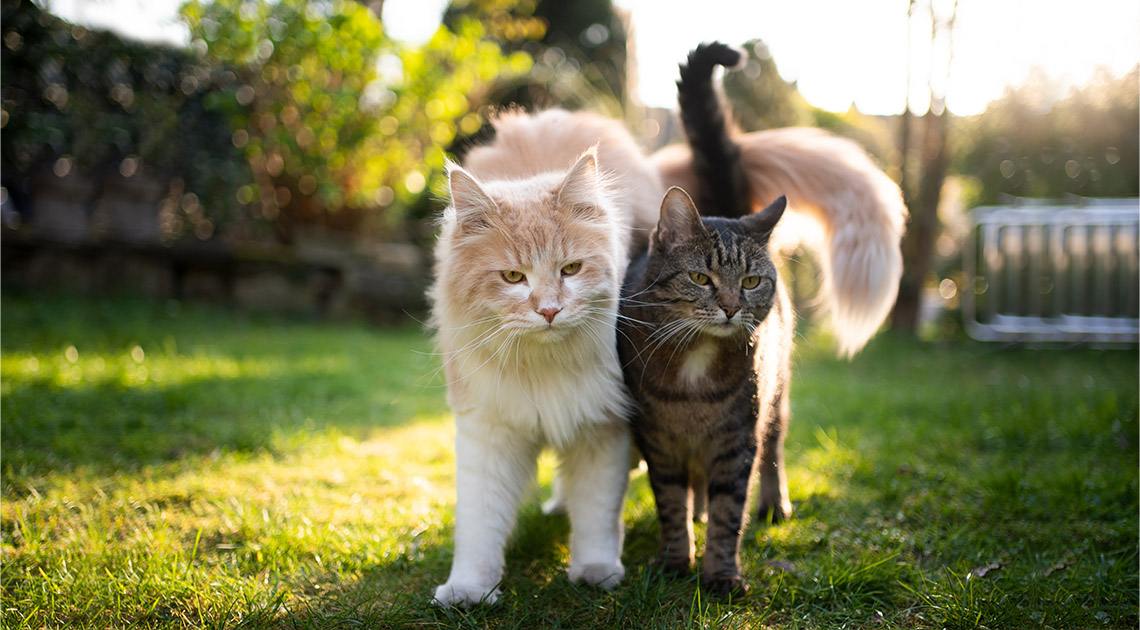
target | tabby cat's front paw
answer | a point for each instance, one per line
(675, 566)
(606, 576)
(465, 595)
(725, 586)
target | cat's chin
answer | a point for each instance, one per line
(723, 330)
(549, 334)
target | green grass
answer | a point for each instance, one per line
(169, 466)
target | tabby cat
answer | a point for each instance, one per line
(706, 335)
(841, 206)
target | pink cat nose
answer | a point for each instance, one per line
(729, 311)
(549, 312)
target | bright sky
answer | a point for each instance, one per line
(840, 51)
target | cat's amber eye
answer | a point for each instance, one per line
(750, 282)
(571, 269)
(514, 277)
(699, 278)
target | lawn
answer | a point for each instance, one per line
(175, 466)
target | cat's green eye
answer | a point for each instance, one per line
(571, 269)
(514, 277)
(699, 278)
(750, 282)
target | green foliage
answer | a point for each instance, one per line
(107, 105)
(172, 466)
(760, 98)
(1081, 145)
(332, 114)
(579, 51)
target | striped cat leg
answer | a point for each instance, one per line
(594, 475)
(729, 475)
(774, 505)
(669, 478)
(494, 464)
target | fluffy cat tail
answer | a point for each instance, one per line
(840, 205)
(716, 157)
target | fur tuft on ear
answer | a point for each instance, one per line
(766, 219)
(579, 191)
(679, 219)
(471, 203)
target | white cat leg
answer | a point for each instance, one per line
(594, 474)
(493, 467)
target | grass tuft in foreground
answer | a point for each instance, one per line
(169, 466)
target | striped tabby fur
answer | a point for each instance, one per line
(706, 330)
(705, 345)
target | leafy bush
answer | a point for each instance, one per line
(102, 104)
(336, 119)
(1082, 145)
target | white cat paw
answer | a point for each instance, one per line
(606, 576)
(465, 595)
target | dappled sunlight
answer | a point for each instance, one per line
(342, 504)
(290, 474)
(822, 469)
(134, 367)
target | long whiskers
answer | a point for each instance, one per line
(465, 352)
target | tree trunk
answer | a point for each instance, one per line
(923, 225)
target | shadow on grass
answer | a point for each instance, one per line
(212, 380)
(537, 594)
(912, 466)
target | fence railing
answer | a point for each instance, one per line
(1054, 272)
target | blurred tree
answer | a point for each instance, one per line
(90, 105)
(1026, 145)
(923, 224)
(760, 98)
(336, 119)
(579, 50)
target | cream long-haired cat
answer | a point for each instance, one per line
(528, 270)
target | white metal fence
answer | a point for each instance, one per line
(1054, 272)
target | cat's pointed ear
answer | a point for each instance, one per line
(679, 219)
(472, 205)
(579, 191)
(765, 220)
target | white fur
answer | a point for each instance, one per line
(567, 395)
(695, 365)
(518, 383)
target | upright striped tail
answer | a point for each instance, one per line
(717, 161)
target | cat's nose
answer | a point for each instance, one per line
(549, 312)
(729, 311)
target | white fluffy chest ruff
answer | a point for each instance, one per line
(549, 397)
(696, 363)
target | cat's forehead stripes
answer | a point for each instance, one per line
(725, 252)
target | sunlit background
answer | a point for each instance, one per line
(222, 407)
(311, 135)
(840, 53)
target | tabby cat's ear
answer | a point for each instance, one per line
(579, 191)
(764, 221)
(679, 220)
(472, 205)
